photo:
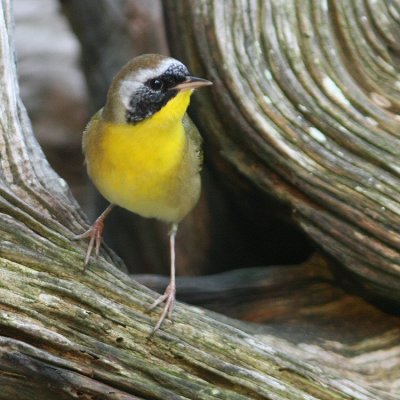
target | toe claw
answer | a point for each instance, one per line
(169, 299)
(94, 233)
(159, 300)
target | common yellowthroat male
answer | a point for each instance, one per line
(143, 153)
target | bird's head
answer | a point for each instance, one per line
(146, 85)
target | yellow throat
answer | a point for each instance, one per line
(137, 166)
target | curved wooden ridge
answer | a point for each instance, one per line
(69, 334)
(305, 104)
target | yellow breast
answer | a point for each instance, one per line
(142, 167)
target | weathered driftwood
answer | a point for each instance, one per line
(305, 105)
(303, 302)
(67, 333)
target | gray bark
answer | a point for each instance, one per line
(305, 107)
(67, 333)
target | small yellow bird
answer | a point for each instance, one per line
(143, 153)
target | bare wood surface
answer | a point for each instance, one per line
(67, 333)
(305, 105)
(305, 308)
(303, 303)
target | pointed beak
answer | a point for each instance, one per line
(192, 82)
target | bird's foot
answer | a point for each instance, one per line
(94, 233)
(169, 299)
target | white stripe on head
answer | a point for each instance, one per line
(126, 89)
(143, 75)
(135, 80)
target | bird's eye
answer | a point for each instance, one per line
(156, 84)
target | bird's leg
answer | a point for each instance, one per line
(95, 234)
(169, 295)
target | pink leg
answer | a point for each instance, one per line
(169, 295)
(94, 233)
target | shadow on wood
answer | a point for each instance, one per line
(68, 333)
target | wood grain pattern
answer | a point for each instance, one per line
(306, 106)
(66, 333)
